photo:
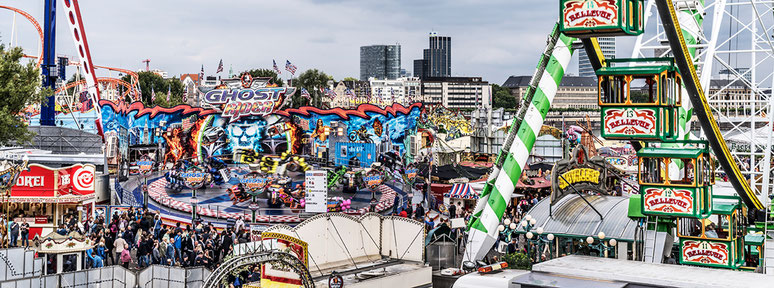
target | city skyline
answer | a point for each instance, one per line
(297, 32)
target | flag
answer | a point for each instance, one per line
(290, 67)
(153, 95)
(305, 94)
(276, 69)
(169, 92)
(220, 67)
(201, 75)
(185, 94)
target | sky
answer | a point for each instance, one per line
(490, 38)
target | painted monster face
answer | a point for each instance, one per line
(246, 136)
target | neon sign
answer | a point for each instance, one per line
(238, 103)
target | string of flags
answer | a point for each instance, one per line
(305, 94)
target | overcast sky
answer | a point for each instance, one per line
(491, 38)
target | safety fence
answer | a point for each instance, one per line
(117, 277)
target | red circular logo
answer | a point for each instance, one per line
(83, 178)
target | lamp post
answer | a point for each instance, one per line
(602, 245)
(539, 238)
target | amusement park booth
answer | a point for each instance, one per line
(44, 196)
(640, 102)
(62, 253)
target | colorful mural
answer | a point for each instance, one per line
(191, 133)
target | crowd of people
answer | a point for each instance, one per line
(138, 238)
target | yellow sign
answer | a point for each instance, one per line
(579, 175)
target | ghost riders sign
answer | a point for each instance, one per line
(240, 102)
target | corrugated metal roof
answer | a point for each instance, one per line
(572, 216)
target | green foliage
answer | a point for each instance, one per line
(349, 79)
(20, 86)
(150, 82)
(266, 73)
(502, 97)
(518, 261)
(312, 80)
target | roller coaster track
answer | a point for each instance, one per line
(114, 81)
(34, 23)
(702, 109)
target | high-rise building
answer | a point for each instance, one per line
(607, 44)
(380, 62)
(436, 60)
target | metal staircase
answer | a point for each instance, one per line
(655, 242)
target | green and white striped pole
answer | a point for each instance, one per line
(690, 21)
(502, 181)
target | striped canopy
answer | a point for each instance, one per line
(462, 191)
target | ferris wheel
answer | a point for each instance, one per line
(733, 51)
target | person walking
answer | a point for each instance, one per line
(126, 257)
(419, 212)
(119, 245)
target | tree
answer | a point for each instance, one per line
(312, 80)
(267, 73)
(20, 86)
(503, 98)
(353, 79)
(151, 82)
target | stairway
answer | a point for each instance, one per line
(769, 254)
(654, 246)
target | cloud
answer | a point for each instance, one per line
(492, 38)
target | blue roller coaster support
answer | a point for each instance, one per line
(47, 112)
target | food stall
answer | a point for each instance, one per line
(44, 197)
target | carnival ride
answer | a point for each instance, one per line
(657, 110)
(67, 96)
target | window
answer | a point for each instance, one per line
(684, 173)
(643, 89)
(612, 89)
(652, 171)
(716, 227)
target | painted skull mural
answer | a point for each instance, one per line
(204, 133)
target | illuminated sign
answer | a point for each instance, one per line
(668, 200)
(411, 173)
(42, 181)
(373, 179)
(238, 103)
(253, 182)
(194, 179)
(580, 175)
(590, 13)
(704, 252)
(630, 122)
(145, 165)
